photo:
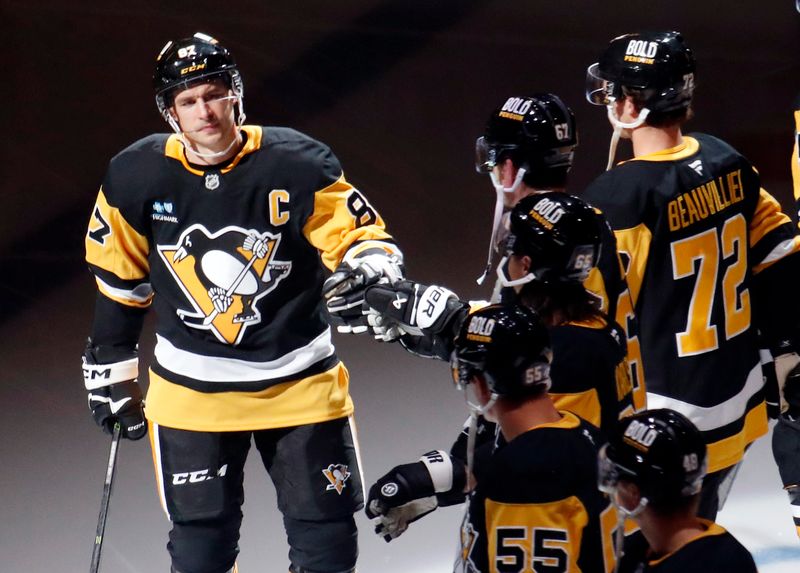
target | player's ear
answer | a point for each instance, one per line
(628, 495)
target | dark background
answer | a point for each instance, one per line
(400, 90)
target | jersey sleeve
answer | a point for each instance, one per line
(775, 263)
(117, 255)
(342, 218)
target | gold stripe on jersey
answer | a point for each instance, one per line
(529, 537)
(314, 399)
(689, 146)
(636, 375)
(729, 451)
(333, 228)
(174, 149)
(636, 243)
(595, 284)
(113, 245)
(711, 528)
(585, 404)
(767, 217)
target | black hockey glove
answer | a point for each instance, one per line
(409, 492)
(113, 392)
(344, 289)
(419, 310)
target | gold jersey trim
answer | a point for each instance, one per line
(711, 528)
(120, 250)
(730, 450)
(585, 404)
(174, 149)
(688, 147)
(317, 398)
(636, 243)
(332, 228)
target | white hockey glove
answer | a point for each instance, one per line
(113, 392)
(344, 289)
(408, 492)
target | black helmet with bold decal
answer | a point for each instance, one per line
(509, 346)
(661, 451)
(184, 62)
(538, 131)
(559, 232)
(658, 65)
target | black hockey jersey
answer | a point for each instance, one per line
(696, 227)
(231, 258)
(537, 506)
(713, 550)
(590, 372)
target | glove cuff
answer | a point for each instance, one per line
(99, 375)
(440, 468)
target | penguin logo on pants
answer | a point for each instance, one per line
(224, 275)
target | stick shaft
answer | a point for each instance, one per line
(109, 482)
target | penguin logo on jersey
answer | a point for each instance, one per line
(468, 539)
(337, 474)
(224, 275)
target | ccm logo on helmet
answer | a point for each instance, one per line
(642, 49)
(640, 435)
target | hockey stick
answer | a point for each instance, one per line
(101, 520)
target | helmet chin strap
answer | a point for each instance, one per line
(618, 127)
(619, 534)
(507, 282)
(500, 190)
(474, 411)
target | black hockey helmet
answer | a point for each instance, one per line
(659, 65)
(559, 232)
(538, 131)
(184, 62)
(661, 451)
(509, 345)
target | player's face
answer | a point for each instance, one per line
(518, 267)
(507, 173)
(205, 113)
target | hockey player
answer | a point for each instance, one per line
(652, 468)
(521, 516)
(527, 148)
(710, 255)
(554, 243)
(221, 226)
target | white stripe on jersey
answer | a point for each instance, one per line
(784, 248)
(141, 293)
(713, 417)
(218, 369)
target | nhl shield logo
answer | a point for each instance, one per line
(337, 474)
(212, 181)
